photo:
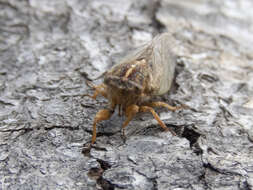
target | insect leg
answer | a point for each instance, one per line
(100, 116)
(130, 113)
(100, 89)
(119, 109)
(163, 104)
(149, 109)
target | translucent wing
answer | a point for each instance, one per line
(160, 56)
(163, 62)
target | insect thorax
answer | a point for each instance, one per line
(129, 76)
(128, 82)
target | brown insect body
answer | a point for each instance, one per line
(128, 84)
(131, 84)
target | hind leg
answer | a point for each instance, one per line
(150, 109)
(132, 110)
(165, 105)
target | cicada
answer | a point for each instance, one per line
(131, 84)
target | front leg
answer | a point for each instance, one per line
(100, 89)
(131, 111)
(100, 116)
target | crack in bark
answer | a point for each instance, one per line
(203, 179)
(192, 136)
(15, 130)
(6, 103)
(156, 24)
(220, 171)
(97, 174)
(61, 127)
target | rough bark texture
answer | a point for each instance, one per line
(49, 48)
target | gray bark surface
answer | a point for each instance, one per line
(49, 48)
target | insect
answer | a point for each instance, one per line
(131, 84)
